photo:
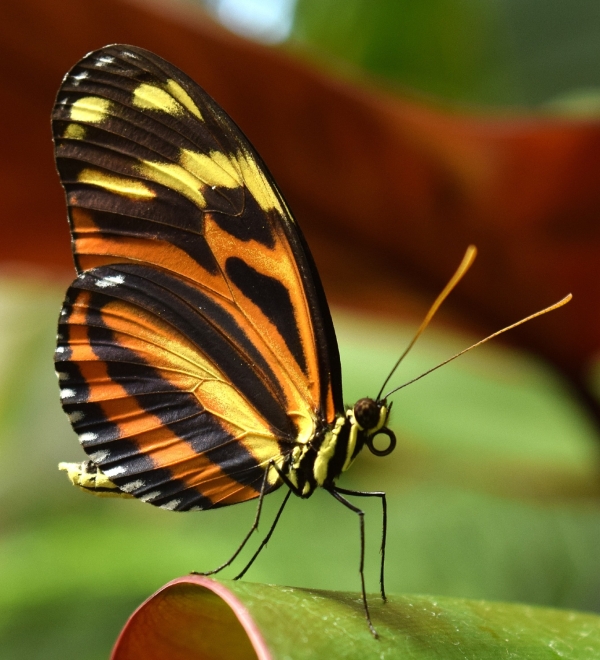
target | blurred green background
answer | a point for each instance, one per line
(493, 487)
(491, 493)
(497, 53)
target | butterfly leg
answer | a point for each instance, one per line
(380, 494)
(252, 529)
(292, 489)
(267, 537)
(361, 517)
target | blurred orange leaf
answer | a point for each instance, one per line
(388, 190)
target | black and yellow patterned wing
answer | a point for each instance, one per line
(195, 346)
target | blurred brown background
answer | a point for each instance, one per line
(388, 190)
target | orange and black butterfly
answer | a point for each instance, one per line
(196, 354)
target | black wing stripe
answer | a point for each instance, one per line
(273, 299)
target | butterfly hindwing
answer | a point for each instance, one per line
(196, 345)
(141, 395)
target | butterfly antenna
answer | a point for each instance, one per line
(560, 303)
(465, 264)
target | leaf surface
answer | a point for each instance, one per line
(195, 617)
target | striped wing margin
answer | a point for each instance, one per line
(196, 344)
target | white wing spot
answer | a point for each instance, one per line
(60, 349)
(99, 456)
(67, 393)
(88, 437)
(62, 375)
(110, 280)
(75, 416)
(105, 59)
(150, 496)
(114, 472)
(171, 506)
(195, 508)
(76, 79)
(132, 485)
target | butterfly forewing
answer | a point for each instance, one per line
(196, 345)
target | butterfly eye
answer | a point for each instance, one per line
(366, 413)
(387, 450)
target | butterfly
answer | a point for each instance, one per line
(196, 353)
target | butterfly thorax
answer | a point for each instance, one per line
(334, 447)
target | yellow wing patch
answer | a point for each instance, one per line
(173, 176)
(172, 101)
(183, 97)
(91, 109)
(75, 132)
(195, 172)
(151, 97)
(257, 184)
(116, 184)
(214, 169)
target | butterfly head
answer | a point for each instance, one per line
(369, 419)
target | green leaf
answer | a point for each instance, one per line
(195, 617)
(494, 52)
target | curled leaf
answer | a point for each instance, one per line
(191, 617)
